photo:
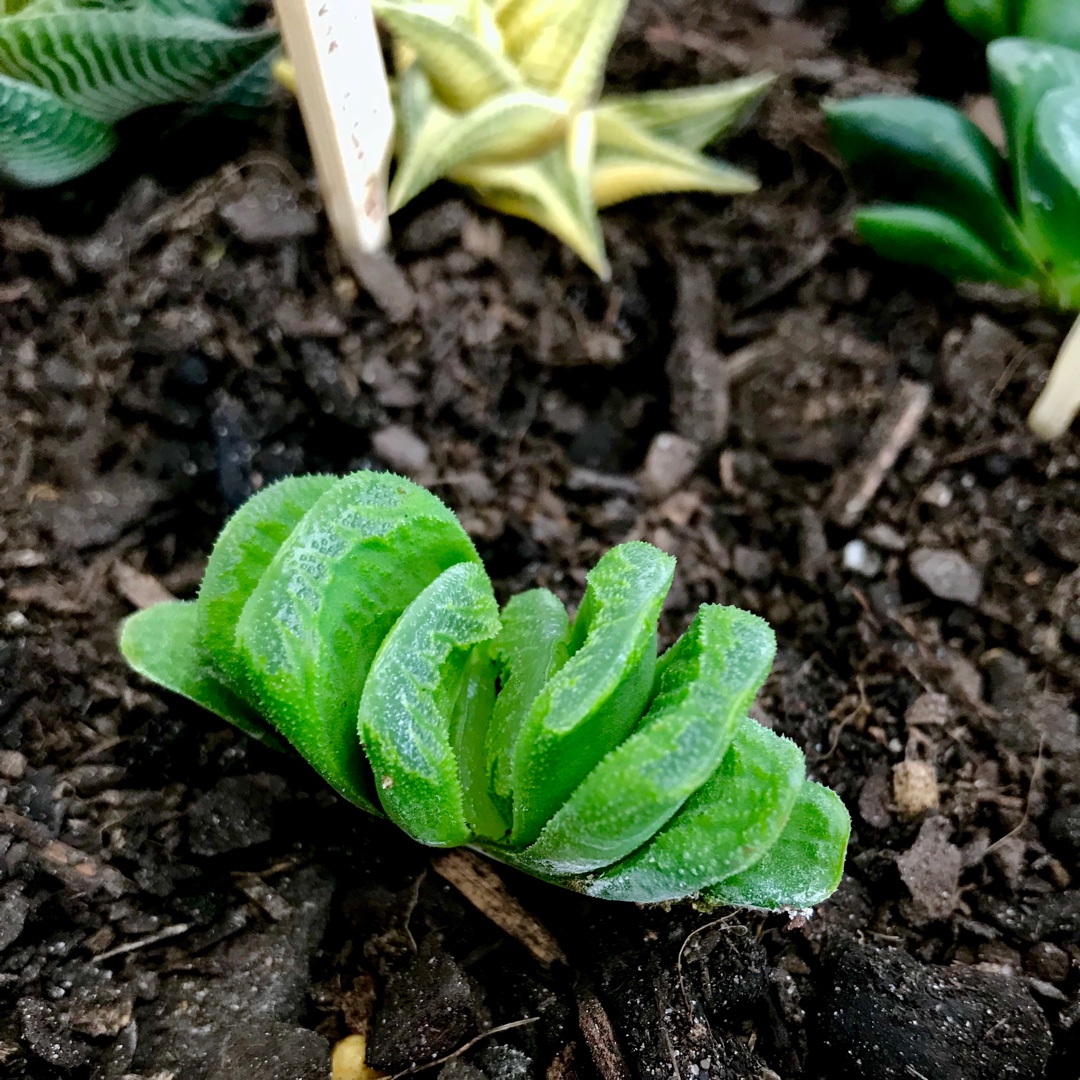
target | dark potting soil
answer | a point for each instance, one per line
(176, 901)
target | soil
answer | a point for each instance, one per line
(178, 330)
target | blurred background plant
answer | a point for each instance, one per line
(954, 203)
(1055, 21)
(70, 70)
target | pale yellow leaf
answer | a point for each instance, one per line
(464, 72)
(512, 127)
(692, 117)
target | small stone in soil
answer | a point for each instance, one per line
(272, 1051)
(931, 871)
(46, 1035)
(237, 812)
(13, 911)
(670, 462)
(402, 450)
(947, 574)
(505, 1063)
(12, 765)
(915, 787)
(860, 558)
(876, 1021)
(429, 1008)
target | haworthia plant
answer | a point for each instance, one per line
(352, 619)
(953, 202)
(503, 96)
(71, 69)
(1055, 21)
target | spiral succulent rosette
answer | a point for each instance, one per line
(352, 618)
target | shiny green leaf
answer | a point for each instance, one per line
(727, 825)
(915, 234)
(595, 699)
(45, 141)
(804, 866)
(924, 152)
(161, 644)
(707, 681)
(312, 626)
(409, 702)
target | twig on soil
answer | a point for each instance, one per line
(600, 1036)
(682, 950)
(890, 435)
(1027, 802)
(78, 871)
(163, 934)
(475, 879)
(465, 1048)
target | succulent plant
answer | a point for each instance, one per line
(955, 204)
(352, 619)
(1056, 21)
(71, 69)
(503, 96)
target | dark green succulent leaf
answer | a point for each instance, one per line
(705, 684)
(1022, 72)
(923, 152)
(595, 699)
(1053, 175)
(804, 866)
(311, 628)
(916, 234)
(984, 19)
(109, 64)
(43, 140)
(1051, 20)
(161, 644)
(533, 643)
(243, 552)
(409, 700)
(727, 825)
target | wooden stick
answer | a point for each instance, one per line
(344, 98)
(1059, 401)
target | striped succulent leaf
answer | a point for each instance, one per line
(70, 69)
(43, 140)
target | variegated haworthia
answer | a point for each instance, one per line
(352, 618)
(503, 96)
(71, 69)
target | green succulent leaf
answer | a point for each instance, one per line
(930, 238)
(1051, 20)
(1053, 186)
(162, 644)
(45, 141)
(804, 866)
(243, 552)
(1022, 73)
(727, 825)
(924, 152)
(409, 703)
(109, 64)
(532, 645)
(984, 19)
(706, 683)
(353, 618)
(311, 628)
